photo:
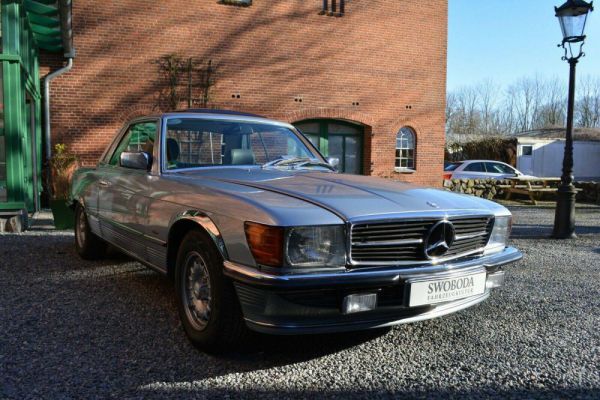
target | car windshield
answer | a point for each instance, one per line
(195, 142)
(452, 167)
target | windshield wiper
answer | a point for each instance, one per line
(299, 161)
(317, 163)
(284, 161)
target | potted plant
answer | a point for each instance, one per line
(62, 166)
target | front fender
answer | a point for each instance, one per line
(81, 188)
(202, 219)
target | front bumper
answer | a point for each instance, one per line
(311, 303)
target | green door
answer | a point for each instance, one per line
(339, 139)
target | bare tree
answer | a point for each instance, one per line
(553, 108)
(487, 95)
(486, 109)
(588, 103)
(527, 95)
(451, 109)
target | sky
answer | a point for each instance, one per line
(504, 40)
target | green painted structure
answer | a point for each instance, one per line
(27, 27)
(340, 139)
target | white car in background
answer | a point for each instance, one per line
(480, 169)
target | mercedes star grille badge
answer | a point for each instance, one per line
(439, 239)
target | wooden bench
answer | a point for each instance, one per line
(532, 192)
(531, 187)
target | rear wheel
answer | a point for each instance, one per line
(88, 245)
(208, 306)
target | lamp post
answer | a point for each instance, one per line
(572, 17)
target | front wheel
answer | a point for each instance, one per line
(88, 245)
(208, 306)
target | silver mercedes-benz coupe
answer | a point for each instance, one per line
(260, 232)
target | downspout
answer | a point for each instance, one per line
(65, 15)
(47, 137)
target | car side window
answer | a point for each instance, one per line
(497, 168)
(475, 167)
(140, 137)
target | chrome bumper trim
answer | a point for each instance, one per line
(252, 275)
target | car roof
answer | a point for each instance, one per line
(472, 161)
(216, 111)
(211, 113)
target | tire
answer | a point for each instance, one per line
(88, 245)
(206, 300)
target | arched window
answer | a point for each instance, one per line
(405, 149)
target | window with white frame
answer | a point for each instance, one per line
(405, 149)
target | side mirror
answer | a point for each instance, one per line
(137, 160)
(334, 162)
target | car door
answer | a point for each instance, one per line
(122, 191)
(499, 171)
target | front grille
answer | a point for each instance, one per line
(402, 240)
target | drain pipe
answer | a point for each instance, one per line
(66, 32)
(48, 148)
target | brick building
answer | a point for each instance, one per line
(367, 86)
(377, 69)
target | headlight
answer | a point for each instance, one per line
(500, 233)
(297, 247)
(315, 246)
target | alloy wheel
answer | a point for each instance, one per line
(196, 291)
(80, 228)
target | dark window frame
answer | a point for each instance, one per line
(530, 152)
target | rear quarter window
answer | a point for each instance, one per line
(452, 167)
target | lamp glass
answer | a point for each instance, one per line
(572, 26)
(572, 17)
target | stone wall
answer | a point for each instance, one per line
(590, 192)
(492, 188)
(485, 188)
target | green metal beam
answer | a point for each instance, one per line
(47, 2)
(41, 9)
(44, 30)
(43, 20)
(12, 205)
(43, 40)
(43, 16)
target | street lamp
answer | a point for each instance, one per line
(572, 17)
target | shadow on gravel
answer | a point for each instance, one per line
(281, 350)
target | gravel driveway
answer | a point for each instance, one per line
(75, 329)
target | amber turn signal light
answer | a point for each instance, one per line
(266, 243)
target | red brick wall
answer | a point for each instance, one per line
(385, 55)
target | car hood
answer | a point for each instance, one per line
(349, 196)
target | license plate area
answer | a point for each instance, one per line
(436, 290)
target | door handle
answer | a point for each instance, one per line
(104, 183)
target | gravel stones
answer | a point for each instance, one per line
(77, 329)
